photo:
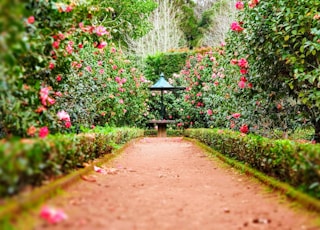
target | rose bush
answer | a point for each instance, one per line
(42, 43)
(281, 41)
(208, 100)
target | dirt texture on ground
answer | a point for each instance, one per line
(169, 183)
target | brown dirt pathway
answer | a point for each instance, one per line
(169, 183)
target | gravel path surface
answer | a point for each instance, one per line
(169, 183)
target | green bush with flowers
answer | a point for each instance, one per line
(44, 44)
(31, 162)
(280, 42)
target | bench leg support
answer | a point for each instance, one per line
(162, 130)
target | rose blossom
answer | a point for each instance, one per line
(239, 5)
(234, 62)
(56, 44)
(236, 115)
(253, 3)
(101, 45)
(242, 84)
(63, 116)
(67, 124)
(31, 20)
(43, 132)
(101, 30)
(51, 65)
(59, 78)
(243, 63)
(243, 71)
(68, 9)
(89, 69)
(244, 129)
(31, 130)
(235, 26)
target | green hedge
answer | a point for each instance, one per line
(288, 161)
(170, 132)
(166, 63)
(28, 162)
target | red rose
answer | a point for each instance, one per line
(244, 129)
(31, 20)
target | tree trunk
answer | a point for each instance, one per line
(317, 131)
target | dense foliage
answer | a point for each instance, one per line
(45, 83)
(280, 40)
(166, 63)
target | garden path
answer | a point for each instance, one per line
(169, 183)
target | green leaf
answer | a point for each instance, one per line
(287, 37)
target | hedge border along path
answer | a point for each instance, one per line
(306, 201)
(21, 203)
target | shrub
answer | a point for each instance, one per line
(287, 161)
(29, 162)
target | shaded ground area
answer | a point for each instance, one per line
(169, 183)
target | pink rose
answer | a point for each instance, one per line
(52, 215)
(243, 63)
(56, 44)
(236, 115)
(31, 20)
(235, 26)
(101, 30)
(43, 132)
(242, 84)
(101, 45)
(67, 124)
(63, 116)
(239, 5)
(51, 65)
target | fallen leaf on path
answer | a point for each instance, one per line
(52, 215)
(88, 178)
(226, 210)
(261, 221)
(99, 170)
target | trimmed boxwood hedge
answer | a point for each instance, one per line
(294, 163)
(28, 162)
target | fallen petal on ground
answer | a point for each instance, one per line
(52, 215)
(99, 170)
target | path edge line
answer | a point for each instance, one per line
(303, 199)
(16, 205)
